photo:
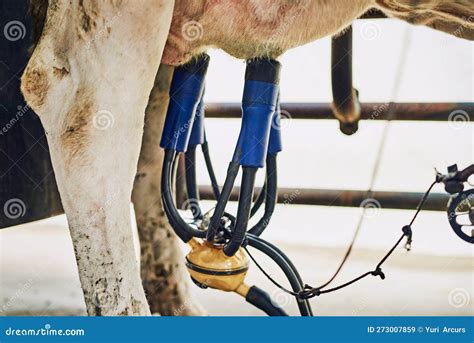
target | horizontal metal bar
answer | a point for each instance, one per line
(370, 111)
(347, 198)
(320, 197)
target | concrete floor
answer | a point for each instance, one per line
(39, 277)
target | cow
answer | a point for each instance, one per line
(98, 78)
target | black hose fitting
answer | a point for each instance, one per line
(260, 299)
(263, 70)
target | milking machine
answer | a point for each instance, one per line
(217, 258)
(220, 241)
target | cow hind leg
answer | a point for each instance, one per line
(163, 272)
(89, 79)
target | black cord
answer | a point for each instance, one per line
(285, 265)
(390, 116)
(210, 169)
(310, 291)
(191, 182)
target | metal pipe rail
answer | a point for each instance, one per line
(419, 111)
(346, 105)
(346, 198)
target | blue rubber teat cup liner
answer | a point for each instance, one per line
(185, 94)
(197, 132)
(275, 143)
(258, 107)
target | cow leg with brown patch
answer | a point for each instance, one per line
(89, 79)
(164, 275)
